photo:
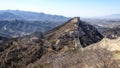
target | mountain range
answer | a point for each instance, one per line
(16, 23)
(27, 15)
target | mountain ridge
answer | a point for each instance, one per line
(29, 15)
(75, 30)
(68, 45)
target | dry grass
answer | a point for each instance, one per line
(78, 58)
(116, 55)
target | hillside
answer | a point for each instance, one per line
(74, 44)
(73, 32)
(19, 28)
(59, 33)
(28, 49)
(104, 54)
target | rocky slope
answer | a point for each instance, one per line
(38, 48)
(19, 52)
(73, 33)
(104, 54)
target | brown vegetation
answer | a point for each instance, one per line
(78, 58)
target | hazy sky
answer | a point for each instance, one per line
(84, 8)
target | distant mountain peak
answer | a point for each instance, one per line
(75, 19)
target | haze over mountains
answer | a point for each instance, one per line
(27, 15)
(15, 23)
(40, 16)
(112, 17)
